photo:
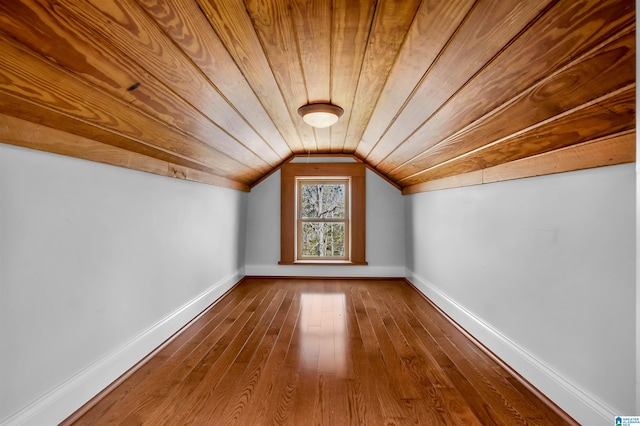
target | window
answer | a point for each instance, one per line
(323, 216)
(323, 212)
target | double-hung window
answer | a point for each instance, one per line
(323, 218)
(322, 213)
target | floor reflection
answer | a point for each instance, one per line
(323, 332)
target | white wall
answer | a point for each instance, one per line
(98, 266)
(542, 270)
(385, 246)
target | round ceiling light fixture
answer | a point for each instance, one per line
(320, 115)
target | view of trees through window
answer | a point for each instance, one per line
(323, 218)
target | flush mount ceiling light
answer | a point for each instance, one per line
(320, 115)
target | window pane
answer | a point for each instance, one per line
(322, 201)
(323, 239)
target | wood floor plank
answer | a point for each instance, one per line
(207, 397)
(204, 334)
(184, 396)
(323, 352)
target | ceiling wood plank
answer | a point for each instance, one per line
(210, 88)
(17, 107)
(185, 24)
(77, 50)
(591, 76)
(607, 151)
(15, 131)
(563, 33)
(391, 23)
(480, 38)
(458, 181)
(234, 27)
(312, 21)
(433, 26)
(186, 173)
(28, 78)
(131, 31)
(612, 113)
(273, 22)
(351, 23)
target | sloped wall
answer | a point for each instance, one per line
(98, 266)
(542, 271)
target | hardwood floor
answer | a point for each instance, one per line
(326, 352)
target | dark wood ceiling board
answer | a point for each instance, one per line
(433, 26)
(189, 29)
(28, 77)
(566, 31)
(352, 21)
(312, 25)
(481, 37)
(611, 150)
(71, 45)
(588, 77)
(234, 27)
(612, 113)
(273, 22)
(129, 29)
(391, 22)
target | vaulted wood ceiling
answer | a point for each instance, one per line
(208, 90)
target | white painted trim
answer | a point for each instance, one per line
(62, 401)
(582, 406)
(325, 271)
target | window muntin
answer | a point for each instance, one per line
(323, 218)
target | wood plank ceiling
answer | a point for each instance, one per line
(208, 90)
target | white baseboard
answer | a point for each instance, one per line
(582, 406)
(324, 271)
(67, 397)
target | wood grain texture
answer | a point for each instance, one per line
(212, 87)
(479, 39)
(433, 26)
(596, 74)
(104, 65)
(235, 28)
(323, 351)
(606, 151)
(612, 113)
(567, 30)
(135, 34)
(351, 24)
(311, 22)
(390, 25)
(15, 131)
(273, 22)
(74, 98)
(188, 28)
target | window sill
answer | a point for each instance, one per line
(324, 262)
